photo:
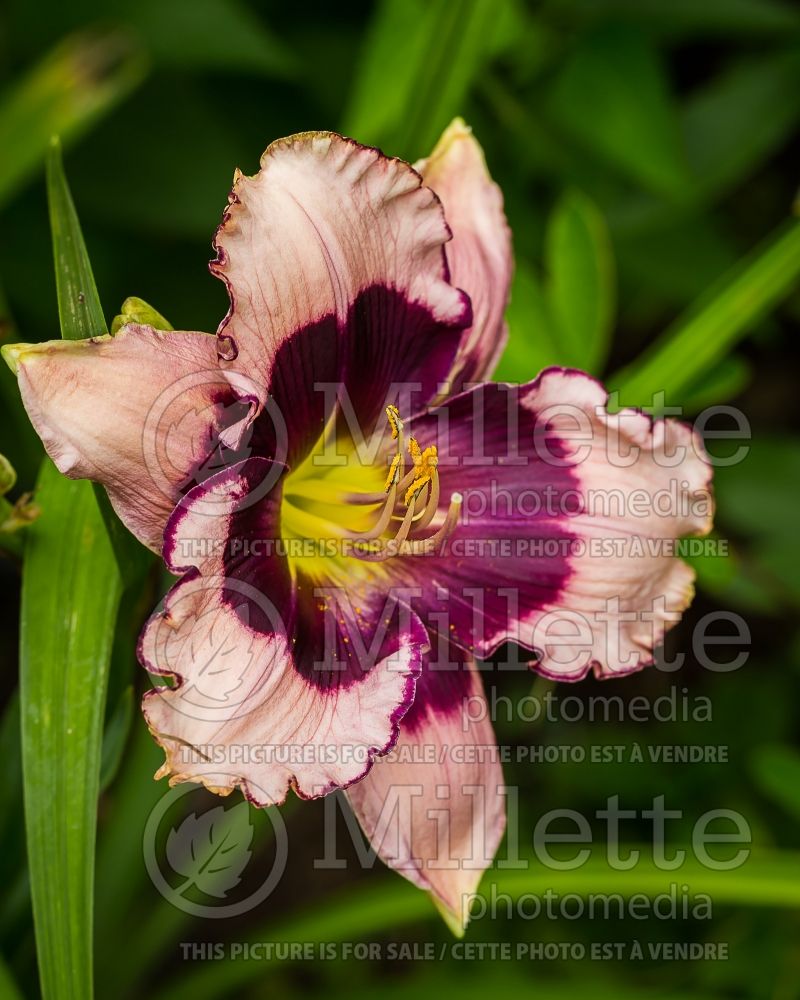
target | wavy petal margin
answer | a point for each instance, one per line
(241, 711)
(480, 254)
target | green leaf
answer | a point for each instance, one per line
(701, 338)
(364, 912)
(71, 588)
(82, 79)
(758, 496)
(115, 738)
(581, 285)
(8, 988)
(612, 97)
(739, 119)
(776, 770)
(70, 593)
(81, 316)
(79, 309)
(420, 58)
(721, 383)
(532, 337)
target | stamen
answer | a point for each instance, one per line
(387, 548)
(394, 472)
(396, 424)
(383, 521)
(431, 507)
(394, 420)
(427, 546)
(417, 490)
(425, 464)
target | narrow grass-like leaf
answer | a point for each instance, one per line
(533, 341)
(581, 283)
(71, 587)
(115, 737)
(8, 988)
(724, 381)
(81, 316)
(81, 79)
(697, 341)
(79, 308)
(364, 913)
(733, 124)
(70, 593)
(612, 96)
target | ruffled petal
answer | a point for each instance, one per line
(434, 808)
(570, 518)
(140, 412)
(643, 484)
(480, 254)
(244, 710)
(333, 256)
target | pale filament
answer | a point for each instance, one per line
(418, 491)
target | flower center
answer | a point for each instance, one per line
(336, 518)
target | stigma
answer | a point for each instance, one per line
(411, 503)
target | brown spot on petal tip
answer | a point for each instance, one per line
(226, 348)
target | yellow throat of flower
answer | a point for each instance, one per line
(338, 523)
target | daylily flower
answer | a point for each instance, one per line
(356, 515)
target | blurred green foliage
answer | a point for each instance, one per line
(647, 150)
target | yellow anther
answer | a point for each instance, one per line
(430, 458)
(425, 463)
(414, 489)
(395, 422)
(393, 476)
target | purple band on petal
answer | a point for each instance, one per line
(387, 345)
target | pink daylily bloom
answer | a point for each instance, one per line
(354, 515)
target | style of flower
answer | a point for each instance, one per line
(356, 515)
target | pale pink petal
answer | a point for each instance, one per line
(434, 808)
(139, 412)
(642, 485)
(479, 255)
(333, 256)
(245, 711)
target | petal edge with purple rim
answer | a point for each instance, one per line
(242, 713)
